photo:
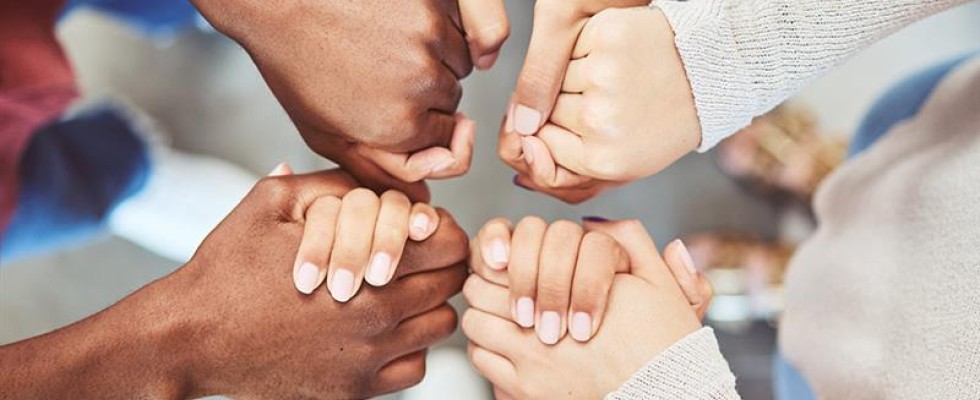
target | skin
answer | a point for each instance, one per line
(228, 323)
(321, 58)
(647, 313)
(360, 236)
(568, 269)
(625, 111)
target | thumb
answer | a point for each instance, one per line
(645, 260)
(556, 29)
(487, 28)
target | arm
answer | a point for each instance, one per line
(693, 368)
(127, 351)
(745, 57)
(229, 321)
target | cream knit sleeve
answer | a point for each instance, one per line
(693, 368)
(744, 57)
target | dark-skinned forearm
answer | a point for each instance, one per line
(131, 350)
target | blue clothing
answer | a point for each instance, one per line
(72, 175)
(898, 104)
(151, 17)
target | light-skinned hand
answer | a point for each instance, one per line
(559, 275)
(647, 312)
(625, 111)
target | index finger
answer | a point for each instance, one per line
(557, 24)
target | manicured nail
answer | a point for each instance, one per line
(518, 183)
(526, 148)
(342, 285)
(420, 225)
(686, 257)
(581, 327)
(305, 277)
(509, 119)
(498, 254)
(550, 325)
(443, 165)
(526, 120)
(379, 269)
(486, 62)
(281, 169)
(525, 312)
(594, 219)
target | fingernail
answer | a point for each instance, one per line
(443, 165)
(498, 254)
(342, 285)
(379, 269)
(528, 155)
(594, 219)
(280, 170)
(526, 120)
(518, 183)
(525, 312)
(550, 325)
(420, 225)
(509, 119)
(686, 257)
(305, 277)
(486, 62)
(581, 326)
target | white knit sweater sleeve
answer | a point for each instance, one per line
(693, 368)
(744, 57)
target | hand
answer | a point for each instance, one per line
(229, 322)
(647, 313)
(625, 111)
(310, 345)
(559, 275)
(361, 78)
(359, 236)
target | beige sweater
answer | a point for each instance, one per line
(884, 300)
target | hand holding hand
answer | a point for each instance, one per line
(647, 312)
(625, 111)
(362, 79)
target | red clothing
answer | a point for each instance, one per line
(36, 85)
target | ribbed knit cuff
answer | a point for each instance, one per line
(692, 368)
(716, 73)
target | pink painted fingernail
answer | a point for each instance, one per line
(306, 277)
(581, 326)
(486, 62)
(686, 257)
(379, 269)
(550, 325)
(281, 169)
(528, 154)
(342, 285)
(526, 120)
(443, 165)
(498, 254)
(419, 225)
(525, 312)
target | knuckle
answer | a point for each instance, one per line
(395, 197)
(278, 191)
(362, 196)
(532, 222)
(566, 230)
(598, 241)
(470, 289)
(604, 74)
(552, 291)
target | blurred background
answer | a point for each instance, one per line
(742, 208)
